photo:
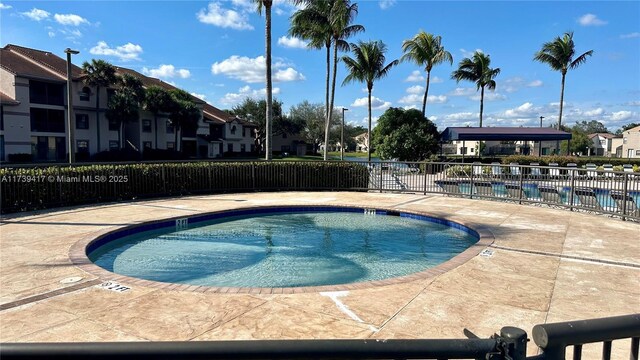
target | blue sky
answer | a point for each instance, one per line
(213, 49)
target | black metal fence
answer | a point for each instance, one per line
(601, 191)
(511, 343)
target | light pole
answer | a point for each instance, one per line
(70, 147)
(541, 117)
(342, 135)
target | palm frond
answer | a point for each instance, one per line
(580, 59)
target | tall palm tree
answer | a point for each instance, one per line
(157, 100)
(267, 4)
(124, 104)
(367, 66)
(342, 14)
(183, 113)
(477, 70)
(98, 73)
(559, 55)
(425, 50)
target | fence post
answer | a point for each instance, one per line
(471, 177)
(625, 188)
(381, 166)
(573, 186)
(424, 192)
(521, 186)
(515, 340)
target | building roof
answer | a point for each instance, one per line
(503, 134)
(56, 66)
(603, 135)
(7, 100)
(637, 128)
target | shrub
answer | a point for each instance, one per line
(20, 158)
(564, 160)
(45, 187)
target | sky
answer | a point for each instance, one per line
(214, 50)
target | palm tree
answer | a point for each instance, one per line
(98, 73)
(183, 113)
(342, 14)
(477, 70)
(269, 108)
(367, 67)
(559, 55)
(125, 102)
(425, 50)
(157, 100)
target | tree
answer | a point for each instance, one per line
(626, 127)
(591, 127)
(157, 100)
(124, 104)
(98, 73)
(313, 116)
(367, 67)
(183, 113)
(559, 55)
(266, 4)
(580, 142)
(405, 135)
(425, 50)
(477, 70)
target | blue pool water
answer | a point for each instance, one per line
(286, 249)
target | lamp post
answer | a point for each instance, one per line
(541, 117)
(342, 135)
(70, 147)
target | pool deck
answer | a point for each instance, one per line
(546, 266)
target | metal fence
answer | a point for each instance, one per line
(511, 343)
(598, 191)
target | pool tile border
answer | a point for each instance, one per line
(78, 251)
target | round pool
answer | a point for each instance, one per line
(282, 247)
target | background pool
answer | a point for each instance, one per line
(286, 249)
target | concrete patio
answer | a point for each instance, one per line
(547, 266)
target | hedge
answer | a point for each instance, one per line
(564, 160)
(34, 188)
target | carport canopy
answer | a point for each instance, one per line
(503, 134)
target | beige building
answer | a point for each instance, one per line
(631, 143)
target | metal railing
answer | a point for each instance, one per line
(599, 191)
(511, 343)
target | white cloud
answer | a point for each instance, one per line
(512, 85)
(409, 107)
(5, 7)
(535, 83)
(594, 112)
(376, 103)
(70, 19)
(463, 92)
(411, 99)
(246, 92)
(385, 4)
(416, 76)
(36, 14)
(166, 72)
(633, 103)
(525, 110)
(630, 35)
(292, 42)
(435, 80)
(417, 99)
(199, 96)
(462, 116)
(124, 52)
(590, 20)
(216, 15)
(253, 70)
(51, 34)
(416, 89)
(621, 115)
(437, 99)
(489, 96)
(469, 53)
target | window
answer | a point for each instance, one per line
(243, 148)
(113, 125)
(171, 145)
(233, 130)
(472, 150)
(230, 147)
(82, 121)
(463, 150)
(170, 127)
(85, 94)
(47, 120)
(284, 136)
(82, 146)
(46, 93)
(48, 147)
(146, 125)
(637, 152)
(113, 145)
(146, 144)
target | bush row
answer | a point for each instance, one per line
(564, 160)
(45, 187)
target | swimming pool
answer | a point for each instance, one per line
(282, 247)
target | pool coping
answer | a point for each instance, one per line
(78, 256)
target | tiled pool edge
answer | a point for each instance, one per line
(78, 253)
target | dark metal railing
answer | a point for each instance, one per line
(511, 344)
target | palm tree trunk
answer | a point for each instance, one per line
(269, 115)
(561, 101)
(98, 116)
(369, 129)
(326, 104)
(481, 104)
(327, 125)
(426, 93)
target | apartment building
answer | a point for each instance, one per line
(33, 105)
(631, 143)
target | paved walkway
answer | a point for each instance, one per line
(547, 266)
